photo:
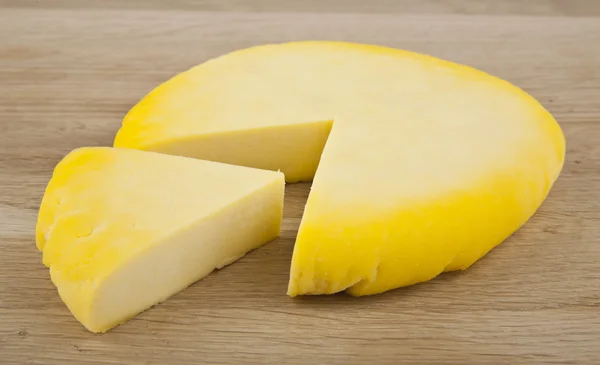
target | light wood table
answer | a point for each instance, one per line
(70, 70)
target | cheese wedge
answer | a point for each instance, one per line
(427, 164)
(122, 230)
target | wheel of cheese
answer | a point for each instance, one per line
(420, 165)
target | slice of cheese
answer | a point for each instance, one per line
(428, 164)
(122, 230)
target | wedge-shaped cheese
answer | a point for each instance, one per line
(427, 167)
(122, 230)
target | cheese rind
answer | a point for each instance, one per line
(122, 230)
(428, 166)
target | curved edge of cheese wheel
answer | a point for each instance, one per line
(51, 199)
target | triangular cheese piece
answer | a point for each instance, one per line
(122, 230)
(429, 164)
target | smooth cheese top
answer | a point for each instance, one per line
(104, 205)
(410, 122)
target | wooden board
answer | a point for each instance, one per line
(70, 70)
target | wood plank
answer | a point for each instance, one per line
(489, 7)
(70, 72)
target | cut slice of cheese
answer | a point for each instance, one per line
(122, 230)
(428, 164)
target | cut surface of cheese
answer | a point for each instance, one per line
(122, 230)
(427, 164)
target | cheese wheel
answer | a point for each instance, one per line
(422, 165)
(122, 230)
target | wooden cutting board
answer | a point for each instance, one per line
(70, 70)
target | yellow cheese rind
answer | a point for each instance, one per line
(413, 242)
(122, 230)
(428, 166)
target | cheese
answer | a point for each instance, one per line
(423, 165)
(122, 230)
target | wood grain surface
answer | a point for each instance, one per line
(70, 70)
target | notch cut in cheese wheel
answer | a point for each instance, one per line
(427, 166)
(122, 230)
